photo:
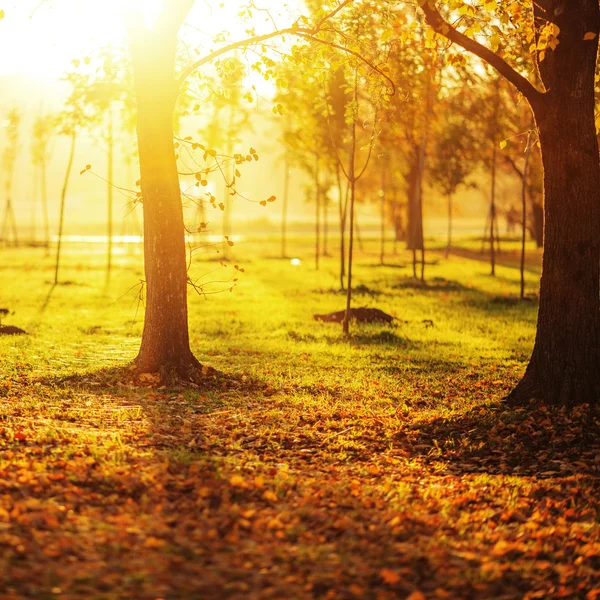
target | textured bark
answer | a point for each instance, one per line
(565, 364)
(165, 339)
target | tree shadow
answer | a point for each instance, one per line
(435, 284)
(537, 441)
(382, 337)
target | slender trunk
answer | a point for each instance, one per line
(284, 208)
(227, 192)
(35, 196)
(317, 213)
(342, 214)
(62, 203)
(44, 191)
(352, 185)
(449, 242)
(359, 238)
(524, 214)
(165, 339)
(109, 197)
(325, 226)
(493, 188)
(382, 216)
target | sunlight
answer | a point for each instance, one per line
(42, 40)
(152, 10)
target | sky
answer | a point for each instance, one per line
(39, 39)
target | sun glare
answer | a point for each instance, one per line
(41, 40)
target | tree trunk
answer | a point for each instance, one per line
(342, 214)
(524, 214)
(565, 364)
(449, 241)
(317, 213)
(284, 207)
(63, 199)
(44, 190)
(165, 339)
(109, 191)
(382, 215)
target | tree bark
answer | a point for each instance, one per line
(565, 363)
(165, 339)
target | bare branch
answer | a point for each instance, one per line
(442, 27)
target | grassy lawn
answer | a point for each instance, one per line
(384, 466)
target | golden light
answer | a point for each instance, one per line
(42, 40)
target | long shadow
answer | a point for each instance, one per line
(47, 299)
(503, 259)
(436, 284)
(536, 442)
(180, 518)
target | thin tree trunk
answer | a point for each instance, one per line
(284, 207)
(227, 216)
(382, 215)
(493, 189)
(524, 214)
(62, 203)
(342, 214)
(44, 190)
(449, 242)
(317, 213)
(109, 196)
(352, 184)
(325, 225)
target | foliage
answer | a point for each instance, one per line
(379, 468)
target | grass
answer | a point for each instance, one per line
(384, 466)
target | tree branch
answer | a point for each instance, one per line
(304, 32)
(442, 27)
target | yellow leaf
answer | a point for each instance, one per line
(153, 542)
(237, 481)
(270, 496)
(390, 577)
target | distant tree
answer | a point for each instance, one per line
(69, 122)
(9, 158)
(40, 155)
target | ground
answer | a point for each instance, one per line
(384, 466)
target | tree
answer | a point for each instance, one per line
(9, 157)
(40, 154)
(565, 363)
(165, 338)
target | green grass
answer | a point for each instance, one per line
(319, 467)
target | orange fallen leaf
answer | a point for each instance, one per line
(389, 576)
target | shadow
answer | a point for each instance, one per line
(503, 259)
(383, 337)
(538, 441)
(243, 499)
(47, 299)
(435, 284)
(359, 290)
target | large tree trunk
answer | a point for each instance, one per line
(165, 340)
(565, 364)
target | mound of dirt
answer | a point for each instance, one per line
(10, 330)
